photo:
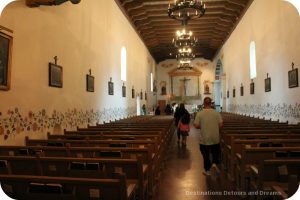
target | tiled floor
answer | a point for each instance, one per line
(183, 179)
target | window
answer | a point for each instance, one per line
(295, 3)
(123, 63)
(4, 3)
(151, 82)
(252, 60)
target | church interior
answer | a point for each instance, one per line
(89, 88)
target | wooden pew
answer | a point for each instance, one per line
(237, 146)
(273, 172)
(76, 136)
(228, 141)
(29, 187)
(164, 129)
(163, 139)
(165, 133)
(251, 156)
(293, 185)
(135, 171)
(80, 152)
(260, 131)
(116, 132)
(151, 144)
(139, 134)
(156, 166)
(147, 157)
(228, 138)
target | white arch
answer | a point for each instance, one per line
(295, 3)
(4, 3)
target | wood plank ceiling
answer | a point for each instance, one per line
(156, 29)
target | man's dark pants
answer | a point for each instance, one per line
(214, 150)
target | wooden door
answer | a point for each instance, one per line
(162, 105)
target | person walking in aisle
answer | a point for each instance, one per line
(184, 127)
(210, 122)
(180, 111)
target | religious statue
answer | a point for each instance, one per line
(206, 87)
(184, 80)
(163, 85)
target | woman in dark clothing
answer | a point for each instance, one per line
(157, 111)
(180, 111)
(168, 110)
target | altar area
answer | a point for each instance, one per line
(185, 87)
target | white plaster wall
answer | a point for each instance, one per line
(274, 25)
(85, 36)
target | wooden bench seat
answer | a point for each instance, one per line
(147, 157)
(227, 141)
(82, 154)
(135, 171)
(274, 172)
(28, 187)
(260, 130)
(151, 144)
(228, 138)
(237, 146)
(251, 157)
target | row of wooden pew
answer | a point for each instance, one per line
(121, 160)
(262, 157)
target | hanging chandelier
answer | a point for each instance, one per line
(184, 39)
(184, 10)
(185, 57)
(185, 54)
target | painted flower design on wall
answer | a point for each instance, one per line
(164, 65)
(278, 111)
(199, 64)
(42, 121)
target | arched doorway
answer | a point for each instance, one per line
(219, 94)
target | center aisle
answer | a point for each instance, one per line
(182, 178)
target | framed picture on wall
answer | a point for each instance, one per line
(242, 90)
(123, 91)
(233, 93)
(5, 60)
(227, 94)
(132, 93)
(110, 87)
(55, 75)
(141, 95)
(252, 88)
(89, 83)
(146, 96)
(293, 78)
(268, 84)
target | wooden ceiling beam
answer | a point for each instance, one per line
(151, 21)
